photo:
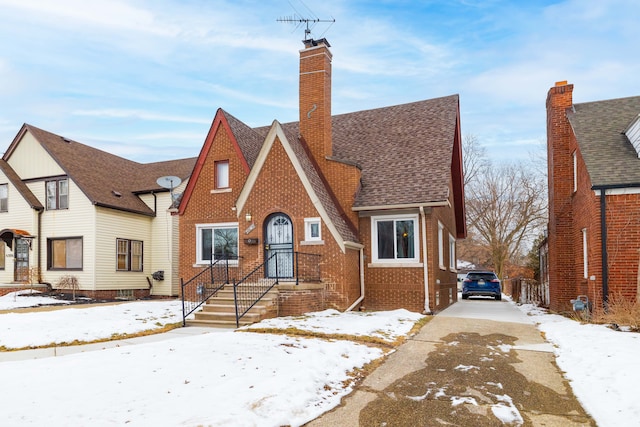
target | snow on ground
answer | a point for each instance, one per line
(82, 323)
(251, 379)
(391, 324)
(27, 298)
(600, 363)
(214, 379)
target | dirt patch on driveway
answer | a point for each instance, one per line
(470, 380)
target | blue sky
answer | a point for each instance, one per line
(143, 79)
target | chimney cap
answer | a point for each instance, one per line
(312, 43)
(562, 83)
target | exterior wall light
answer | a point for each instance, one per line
(247, 216)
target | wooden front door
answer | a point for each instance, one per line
(21, 264)
(278, 234)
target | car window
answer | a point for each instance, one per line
(485, 276)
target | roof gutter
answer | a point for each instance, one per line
(406, 206)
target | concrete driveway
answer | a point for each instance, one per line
(480, 362)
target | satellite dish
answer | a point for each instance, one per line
(169, 182)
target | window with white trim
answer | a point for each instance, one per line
(585, 254)
(312, 230)
(217, 241)
(575, 172)
(129, 255)
(4, 197)
(57, 194)
(452, 253)
(395, 239)
(441, 245)
(222, 174)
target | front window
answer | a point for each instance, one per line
(441, 245)
(395, 239)
(129, 255)
(57, 194)
(64, 254)
(222, 174)
(4, 197)
(452, 253)
(312, 229)
(216, 241)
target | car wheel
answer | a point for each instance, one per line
(499, 297)
(465, 296)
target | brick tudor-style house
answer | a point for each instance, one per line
(373, 199)
(594, 198)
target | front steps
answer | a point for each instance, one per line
(220, 311)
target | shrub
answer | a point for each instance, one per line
(620, 311)
(69, 282)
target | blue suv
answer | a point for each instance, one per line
(481, 283)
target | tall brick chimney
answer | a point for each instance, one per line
(560, 148)
(315, 97)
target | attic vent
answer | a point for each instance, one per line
(116, 193)
(633, 133)
(65, 139)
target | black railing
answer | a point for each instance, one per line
(197, 290)
(251, 288)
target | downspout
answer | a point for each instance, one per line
(361, 298)
(425, 261)
(605, 255)
(39, 245)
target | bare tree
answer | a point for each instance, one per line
(474, 159)
(506, 208)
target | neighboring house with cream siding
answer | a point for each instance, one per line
(67, 209)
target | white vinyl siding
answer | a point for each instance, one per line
(77, 222)
(112, 225)
(19, 216)
(29, 160)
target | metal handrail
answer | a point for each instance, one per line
(197, 290)
(249, 290)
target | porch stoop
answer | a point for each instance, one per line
(220, 310)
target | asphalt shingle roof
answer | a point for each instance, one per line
(101, 175)
(20, 186)
(599, 129)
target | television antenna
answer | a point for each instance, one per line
(169, 182)
(309, 23)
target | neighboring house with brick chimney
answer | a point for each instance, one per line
(372, 201)
(67, 209)
(594, 198)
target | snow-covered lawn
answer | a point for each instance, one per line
(253, 379)
(218, 378)
(602, 365)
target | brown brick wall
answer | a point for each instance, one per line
(560, 146)
(570, 212)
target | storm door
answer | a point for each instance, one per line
(21, 260)
(279, 240)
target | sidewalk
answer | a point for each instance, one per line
(39, 353)
(465, 369)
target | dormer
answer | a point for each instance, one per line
(633, 133)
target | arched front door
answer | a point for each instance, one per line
(278, 232)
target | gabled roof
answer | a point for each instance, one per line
(313, 184)
(599, 128)
(105, 179)
(245, 140)
(404, 151)
(22, 188)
